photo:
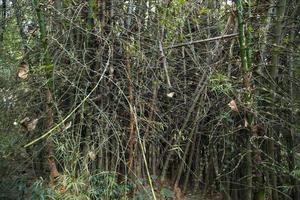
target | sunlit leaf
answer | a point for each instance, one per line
(233, 106)
(92, 155)
(171, 94)
(32, 125)
(246, 123)
(23, 71)
(25, 121)
(29, 124)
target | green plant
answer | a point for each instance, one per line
(220, 84)
(105, 186)
(39, 191)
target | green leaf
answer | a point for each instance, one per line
(165, 192)
(47, 68)
(261, 195)
(181, 2)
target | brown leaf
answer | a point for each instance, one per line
(233, 106)
(62, 189)
(178, 193)
(53, 169)
(92, 155)
(23, 71)
(25, 121)
(257, 157)
(171, 94)
(247, 80)
(258, 130)
(32, 125)
(246, 123)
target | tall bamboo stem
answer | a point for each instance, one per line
(246, 67)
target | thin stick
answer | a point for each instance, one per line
(202, 41)
(165, 63)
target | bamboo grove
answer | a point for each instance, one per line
(150, 99)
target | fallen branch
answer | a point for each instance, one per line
(202, 41)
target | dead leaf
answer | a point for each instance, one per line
(26, 119)
(53, 169)
(246, 123)
(171, 94)
(258, 130)
(62, 189)
(24, 122)
(92, 155)
(178, 193)
(32, 125)
(233, 106)
(23, 71)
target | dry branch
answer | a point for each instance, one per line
(202, 41)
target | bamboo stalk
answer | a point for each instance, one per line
(275, 53)
(3, 21)
(246, 67)
(49, 113)
(131, 125)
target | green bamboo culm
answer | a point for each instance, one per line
(45, 60)
(279, 20)
(245, 53)
(273, 71)
(249, 39)
(91, 14)
(242, 38)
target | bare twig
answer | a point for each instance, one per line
(202, 41)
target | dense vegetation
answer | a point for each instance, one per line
(150, 99)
